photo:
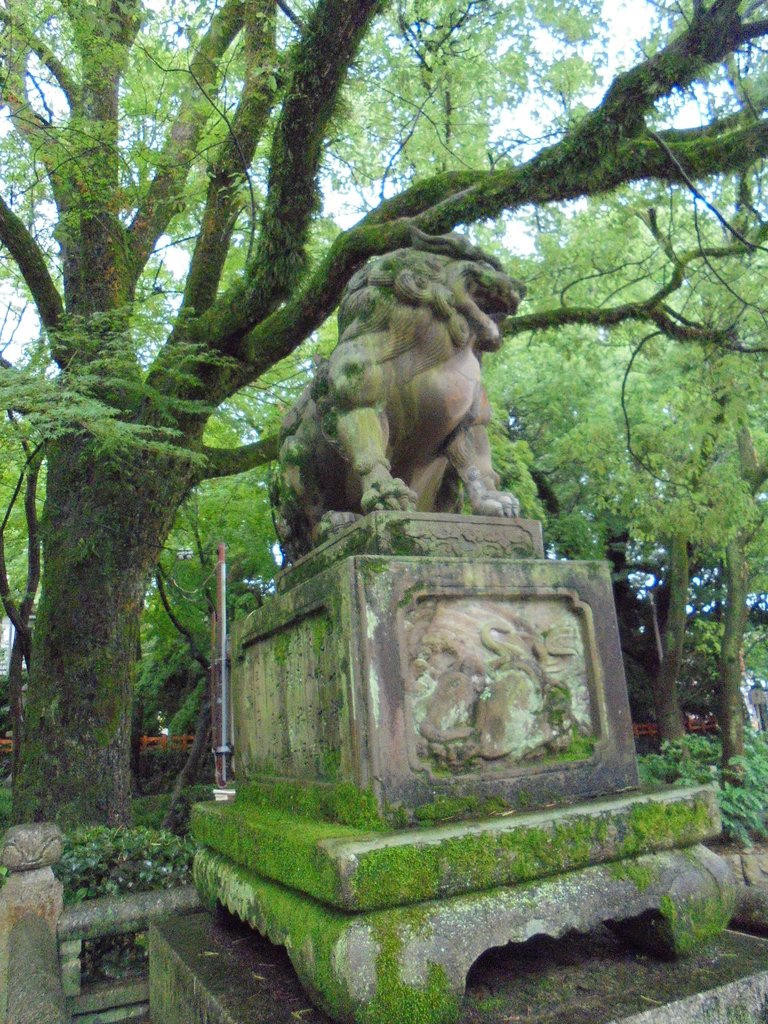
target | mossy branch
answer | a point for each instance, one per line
(45, 54)
(232, 162)
(318, 69)
(163, 198)
(30, 260)
(652, 310)
(230, 461)
(596, 156)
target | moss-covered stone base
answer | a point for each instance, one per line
(362, 869)
(410, 963)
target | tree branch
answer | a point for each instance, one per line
(487, 194)
(163, 199)
(60, 72)
(233, 161)
(195, 651)
(329, 43)
(609, 147)
(230, 461)
(30, 260)
(599, 154)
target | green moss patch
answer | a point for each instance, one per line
(396, 1001)
(363, 869)
(695, 923)
(341, 803)
(666, 825)
(279, 846)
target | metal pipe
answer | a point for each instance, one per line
(223, 655)
(222, 748)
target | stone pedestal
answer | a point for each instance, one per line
(30, 890)
(410, 707)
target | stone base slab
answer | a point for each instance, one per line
(201, 966)
(420, 534)
(411, 963)
(355, 869)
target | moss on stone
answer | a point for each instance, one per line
(339, 803)
(474, 862)
(579, 749)
(396, 1001)
(655, 825)
(279, 846)
(640, 875)
(695, 922)
(446, 808)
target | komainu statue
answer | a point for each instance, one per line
(396, 417)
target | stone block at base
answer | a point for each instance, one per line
(216, 972)
(356, 869)
(411, 963)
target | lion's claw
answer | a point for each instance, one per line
(497, 503)
(388, 495)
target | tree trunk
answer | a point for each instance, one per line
(16, 701)
(200, 747)
(731, 706)
(105, 519)
(668, 715)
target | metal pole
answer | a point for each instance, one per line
(223, 747)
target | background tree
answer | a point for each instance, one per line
(136, 129)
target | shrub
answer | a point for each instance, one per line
(6, 801)
(696, 759)
(101, 861)
(149, 811)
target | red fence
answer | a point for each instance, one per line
(693, 723)
(166, 742)
(146, 743)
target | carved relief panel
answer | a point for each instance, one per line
(493, 683)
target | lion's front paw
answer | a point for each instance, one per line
(496, 503)
(388, 495)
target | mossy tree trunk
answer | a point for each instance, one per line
(102, 528)
(731, 669)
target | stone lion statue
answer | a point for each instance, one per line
(396, 417)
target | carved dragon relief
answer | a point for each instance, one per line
(492, 683)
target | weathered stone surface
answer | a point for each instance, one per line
(397, 417)
(742, 1002)
(27, 847)
(35, 995)
(33, 893)
(420, 678)
(201, 973)
(416, 534)
(755, 867)
(355, 870)
(410, 963)
(751, 912)
(118, 915)
(241, 978)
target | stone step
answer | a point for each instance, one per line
(357, 870)
(206, 971)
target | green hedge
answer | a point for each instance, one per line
(100, 861)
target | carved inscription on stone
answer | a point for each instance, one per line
(492, 683)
